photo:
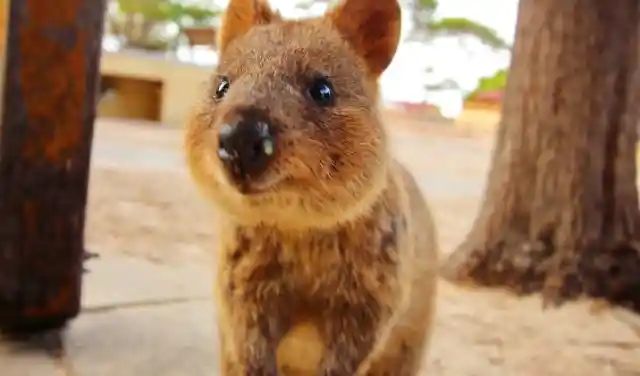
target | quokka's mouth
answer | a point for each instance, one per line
(264, 185)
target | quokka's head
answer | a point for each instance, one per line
(289, 132)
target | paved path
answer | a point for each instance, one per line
(139, 319)
(143, 319)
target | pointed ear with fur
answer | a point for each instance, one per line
(372, 27)
(240, 16)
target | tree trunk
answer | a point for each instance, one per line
(49, 89)
(560, 214)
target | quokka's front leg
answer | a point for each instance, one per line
(350, 332)
(400, 359)
(251, 340)
(255, 323)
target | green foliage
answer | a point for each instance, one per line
(200, 16)
(307, 4)
(462, 27)
(189, 14)
(428, 5)
(168, 10)
(142, 22)
(495, 82)
(151, 9)
(429, 27)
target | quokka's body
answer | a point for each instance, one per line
(327, 260)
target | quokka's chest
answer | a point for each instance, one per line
(310, 266)
(286, 266)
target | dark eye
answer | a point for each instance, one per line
(321, 91)
(223, 87)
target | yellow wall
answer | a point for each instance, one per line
(4, 10)
(131, 98)
(483, 105)
(484, 115)
(149, 85)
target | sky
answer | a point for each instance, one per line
(463, 62)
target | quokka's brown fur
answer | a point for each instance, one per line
(327, 259)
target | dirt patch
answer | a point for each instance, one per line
(159, 215)
(156, 216)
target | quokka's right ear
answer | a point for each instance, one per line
(372, 27)
(240, 16)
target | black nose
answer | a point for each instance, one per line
(246, 146)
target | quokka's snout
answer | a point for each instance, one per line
(247, 145)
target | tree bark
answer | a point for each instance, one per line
(50, 88)
(560, 214)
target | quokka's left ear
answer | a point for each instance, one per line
(372, 27)
(240, 16)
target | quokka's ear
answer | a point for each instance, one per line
(372, 27)
(240, 16)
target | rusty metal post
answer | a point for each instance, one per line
(50, 86)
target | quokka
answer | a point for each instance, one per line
(327, 262)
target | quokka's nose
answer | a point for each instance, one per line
(246, 146)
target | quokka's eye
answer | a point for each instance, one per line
(321, 91)
(222, 88)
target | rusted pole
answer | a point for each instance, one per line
(52, 57)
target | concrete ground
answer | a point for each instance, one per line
(147, 307)
(138, 319)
